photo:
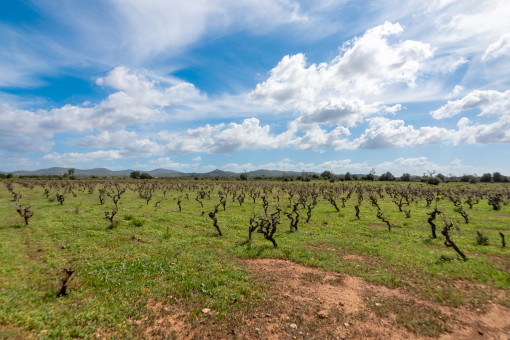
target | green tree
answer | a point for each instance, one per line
(145, 175)
(498, 178)
(369, 177)
(135, 174)
(405, 177)
(486, 178)
(388, 176)
(326, 174)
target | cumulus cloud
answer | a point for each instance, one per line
(106, 139)
(224, 138)
(490, 102)
(141, 148)
(136, 148)
(137, 101)
(20, 131)
(370, 61)
(340, 111)
(166, 162)
(384, 133)
(381, 133)
(493, 133)
(341, 91)
(315, 138)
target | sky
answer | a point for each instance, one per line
(339, 85)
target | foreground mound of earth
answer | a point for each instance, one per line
(311, 303)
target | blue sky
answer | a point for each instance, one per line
(333, 85)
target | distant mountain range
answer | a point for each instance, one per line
(103, 172)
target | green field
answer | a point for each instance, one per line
(153, 254)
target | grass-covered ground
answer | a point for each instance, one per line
(157, 255)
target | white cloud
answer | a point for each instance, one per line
(498, 48)
(394, 109)
(167, 163)
(341, 91)
(384, 133)
(421, 165)
(371, 62)
(135, 32)
(415, 166)
(494, 133)
(490, 102)
(458, 89)
(466, 26)
(348, 112)
(139, 100)
(106, 139)
(136, 148)
(20, 131)
(141, 148)
(315, 137)
(336, 166)
(223, 138)
(15, 162)
(77, 157)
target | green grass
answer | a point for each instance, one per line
(413, 316)
(160, 254)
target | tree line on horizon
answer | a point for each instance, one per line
(430, 178)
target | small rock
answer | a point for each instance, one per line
(257, 330)
(206, 310)
(341, 303)
(346, 324)
(480, 332)
(293, 326)
(478, 309)
(377, 304)
(323, 314)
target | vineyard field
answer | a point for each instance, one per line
(253, 259)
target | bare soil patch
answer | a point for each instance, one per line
(311, 303)
(354, 257)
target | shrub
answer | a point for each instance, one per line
(138, 222)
